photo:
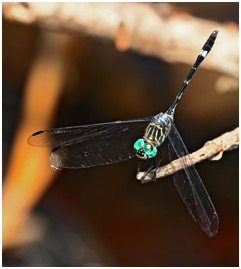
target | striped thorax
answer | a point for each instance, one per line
(155, 134)
(158, 129)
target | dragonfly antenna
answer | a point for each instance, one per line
(203, 53)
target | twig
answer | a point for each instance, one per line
(212, 150)
(158, 30)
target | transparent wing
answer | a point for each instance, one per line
(91, 145)
(191, 187)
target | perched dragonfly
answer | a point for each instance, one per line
(99, 144)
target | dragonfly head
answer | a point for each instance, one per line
(145, 150)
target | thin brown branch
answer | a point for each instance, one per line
(158, 30)
(212, 150)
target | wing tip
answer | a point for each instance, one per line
(214, 225)
(29, 141)
(54, 159)
(33, 143)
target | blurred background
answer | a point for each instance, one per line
(67, 64)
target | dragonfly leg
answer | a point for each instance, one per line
(139, 166)
(143, 165)
(151, 171)
(160, 158)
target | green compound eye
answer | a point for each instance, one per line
(139, 144)
(150, 150)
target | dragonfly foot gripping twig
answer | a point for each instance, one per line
(212, 150)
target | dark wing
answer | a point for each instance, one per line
(91, 145)
(191, 188)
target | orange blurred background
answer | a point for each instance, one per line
(103, 216)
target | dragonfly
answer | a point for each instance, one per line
(104, 143)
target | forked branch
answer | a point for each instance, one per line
(212, 150)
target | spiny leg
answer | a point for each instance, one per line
(151, 171)
(142, 165)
